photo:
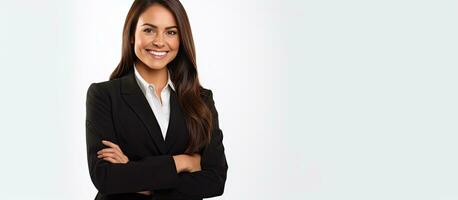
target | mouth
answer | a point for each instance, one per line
(157, 54)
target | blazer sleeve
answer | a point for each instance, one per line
(151, 173)
(210, 181)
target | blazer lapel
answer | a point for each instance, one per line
(135, 98)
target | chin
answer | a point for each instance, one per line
(156, 67)
(154, 64)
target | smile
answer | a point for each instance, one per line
(158, 54)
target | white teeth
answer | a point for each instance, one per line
(158, 53)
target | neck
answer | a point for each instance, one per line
(158, 77)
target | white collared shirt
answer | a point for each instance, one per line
(161, 110)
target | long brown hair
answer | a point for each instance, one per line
(183, 70)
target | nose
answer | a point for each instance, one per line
(158, 41)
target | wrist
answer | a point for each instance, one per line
(180, 162)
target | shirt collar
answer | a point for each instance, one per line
(143, 84)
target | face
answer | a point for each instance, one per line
(156, 39)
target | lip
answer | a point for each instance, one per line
(156, 54)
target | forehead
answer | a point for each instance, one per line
(157, 15)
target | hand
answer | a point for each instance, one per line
(187, 163)
(194, 160)
(113, 154)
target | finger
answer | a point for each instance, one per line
(125, 159)
(122, 158)
(105, 155)
(112, 155)
(111, 144)
(118, 158)
(107, 150)
(145, 192)
(109, 159)
(110, 150)
(108, 143)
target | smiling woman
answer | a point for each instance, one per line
(152, 130)
(156, 38)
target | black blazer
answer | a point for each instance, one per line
(118, 111)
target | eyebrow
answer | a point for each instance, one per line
(154, 26)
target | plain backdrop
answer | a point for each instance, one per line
(320, 100)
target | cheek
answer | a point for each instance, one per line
(175, 44)
(139, 46)
(140, 41)
(137, 49)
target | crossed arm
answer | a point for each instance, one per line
(183, 162)
(170, 177)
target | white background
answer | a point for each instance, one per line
(319, 100)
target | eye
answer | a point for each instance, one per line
(172, 33)
(147, 30)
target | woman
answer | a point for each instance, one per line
(152, 131)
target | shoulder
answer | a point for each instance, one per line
(106, 85)
(206, 94)
(103, 87)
